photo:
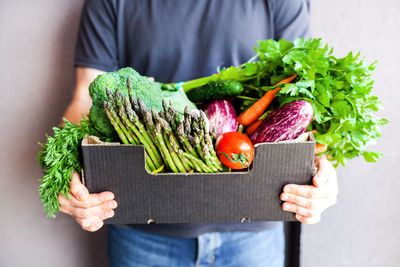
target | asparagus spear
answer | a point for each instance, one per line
(130, 90)
(206, 140)
(174, 145)
(174, 156)
(175, 119)
(196, 144)
(123, 103)
(199, 162)
(162, 114)
(142, 108)
(186, 145)
(113, 100)
(149, 125)
(203, 152)
(184, 140)
(214, 158)
(164, 104)
(195, 125)
(170, 115)
(133, 117)
(202, 121)
(208, 159)
(115, 124)
(187, 120)
(118, 96)
(114, 117)
(163, 147)
(135, 105)
(150, 167)
(150, 149)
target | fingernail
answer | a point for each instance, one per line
(284, 197)
(110, 196)
(299, 217)
(286, 189)
(285, 206)
(112, 204)
(109, 214)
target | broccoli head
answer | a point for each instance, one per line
(150, 92)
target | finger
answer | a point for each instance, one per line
(96, 227)
(307, 191)
(92, 200)
(94, 223)
(99, 210)
(318, 204)
(89, 224)
(64, 204)
(78, 190)
(290, 207)
(151, 79)
(309, 220)
(325, 172)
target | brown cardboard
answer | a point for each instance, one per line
(197, 197)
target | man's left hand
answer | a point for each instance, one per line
(309, 201)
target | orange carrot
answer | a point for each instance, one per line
(257, 109)
(320, 148)
(250, 130)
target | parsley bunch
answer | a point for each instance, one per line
(339, 89)
(58, 157)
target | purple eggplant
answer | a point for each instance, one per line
(222, 117)
(285, 123)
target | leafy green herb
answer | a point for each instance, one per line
(339, 89)
(58, 157)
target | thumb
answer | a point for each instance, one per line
(78, 190)
(320, 177)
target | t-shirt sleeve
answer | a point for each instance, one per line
(291, 19)
(97, 42)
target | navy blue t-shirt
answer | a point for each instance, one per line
(178, 40)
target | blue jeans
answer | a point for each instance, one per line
(130, 247)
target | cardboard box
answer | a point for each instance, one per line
(142, 197)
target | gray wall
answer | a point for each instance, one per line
(363, 228)
(36, 49)
(37, 40)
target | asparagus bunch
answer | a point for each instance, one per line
(180, 145)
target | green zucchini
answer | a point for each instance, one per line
(213, 90)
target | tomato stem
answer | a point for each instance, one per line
(237, 158)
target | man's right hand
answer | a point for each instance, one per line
(89, 210)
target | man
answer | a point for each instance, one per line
(173, 41)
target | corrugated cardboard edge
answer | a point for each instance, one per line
(91, 140)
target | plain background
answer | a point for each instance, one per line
(37, 40)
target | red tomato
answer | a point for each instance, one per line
(237, 147)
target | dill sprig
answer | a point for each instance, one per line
(59, 156)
